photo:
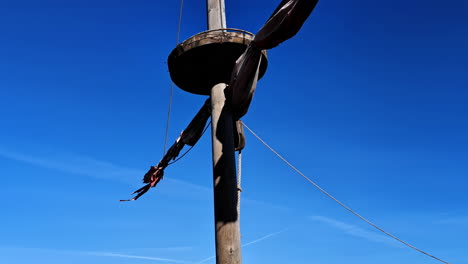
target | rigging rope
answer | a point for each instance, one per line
(171, 93)
(239, 178)
(337, 201)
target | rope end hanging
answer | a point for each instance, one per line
(189, 136)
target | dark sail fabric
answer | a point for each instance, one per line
(285, 22)
(244, 81)
(194, 130)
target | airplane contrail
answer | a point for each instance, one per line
(249, 243)
(108, 254)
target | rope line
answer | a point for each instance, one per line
(168, 120)
(340, 203)
(180, 21)
(171, 93)
(239, 180)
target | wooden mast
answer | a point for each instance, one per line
(227, 232)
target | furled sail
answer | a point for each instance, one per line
(283, 24)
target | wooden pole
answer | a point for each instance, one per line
(216, 14)
(227, 232)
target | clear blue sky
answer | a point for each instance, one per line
(370, 100)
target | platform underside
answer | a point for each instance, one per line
(208, 58)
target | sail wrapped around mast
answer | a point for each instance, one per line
(282, 25)
(244, 81)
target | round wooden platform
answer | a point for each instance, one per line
(208, 58)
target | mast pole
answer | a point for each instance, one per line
(227, 231)
(216, 14)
